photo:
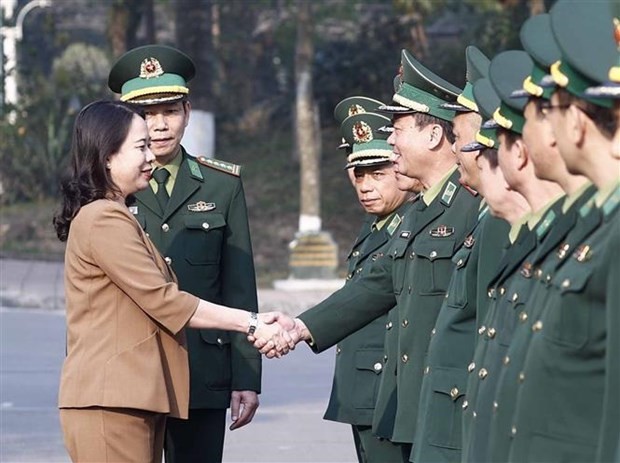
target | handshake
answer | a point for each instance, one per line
(277, 334)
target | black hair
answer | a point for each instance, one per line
(605, 119)
(99, 131)
(490, 154)
(422, 120)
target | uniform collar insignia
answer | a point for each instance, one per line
(542, 229)
(448, 193)
(610, 203)
(201, 206)
(442, 231)
(394, 223)
(194, 169)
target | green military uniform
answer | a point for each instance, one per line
(359, 357)
(609, 443)
(204, 236)
(438, 433)
(538, 41)
(506, 292)
(414, 274)
(560, 404)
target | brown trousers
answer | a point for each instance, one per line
(113, 435)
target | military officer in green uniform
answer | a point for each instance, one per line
(438, 434)
(195, 213)
(359, 357)
(560, 402)
(609, 443)
(538, 41)
(506, 73)
(414, 274)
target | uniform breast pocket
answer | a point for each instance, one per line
(457, 288)
(433, 273)
(446, 407)
(567, 322)
(204, 234)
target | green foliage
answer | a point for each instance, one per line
(35, 137)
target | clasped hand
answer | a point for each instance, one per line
(277, 334)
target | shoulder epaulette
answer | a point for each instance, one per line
(394, 223)
(543, 227)
(223, 166)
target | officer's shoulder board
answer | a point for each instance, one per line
(393, 225)
(223, 166)
(448, 193)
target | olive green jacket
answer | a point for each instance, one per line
(359, 357)
(416, 276)
(438, 433)
(560, 405)
(204, 235)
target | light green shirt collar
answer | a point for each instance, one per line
(570, 199)
(430, 194)
(535, 217)
(516, 227)
(601, 195)
(172, 167)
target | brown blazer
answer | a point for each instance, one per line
(125, 318)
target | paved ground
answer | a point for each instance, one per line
(288, 427)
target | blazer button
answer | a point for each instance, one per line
(165, 227)
(168, 260)
(205, 225)
(377, 367)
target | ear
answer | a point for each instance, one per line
(435, 136)
(575, 125)
(522, 156)
(187, 106)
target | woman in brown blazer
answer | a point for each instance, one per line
(126, 368)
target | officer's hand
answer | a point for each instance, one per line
(243, 405)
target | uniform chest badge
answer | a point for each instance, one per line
(405, 234)
(583, 253)
(469, 242)
(201, 206)
(442, 231)
(526, 270)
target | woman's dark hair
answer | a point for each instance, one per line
(99, 131)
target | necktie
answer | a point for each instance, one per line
(161, 176)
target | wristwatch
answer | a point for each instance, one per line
(253, 323)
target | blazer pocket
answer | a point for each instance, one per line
(457, 288)
(568, 323)
(445, 411)
(368, 368)
(435, 267)
(204, 236)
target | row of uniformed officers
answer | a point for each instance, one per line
(497, 287)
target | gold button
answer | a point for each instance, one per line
(446, 296)
(515, 296)
(433, 254)
(471, 367)
(474, 414)
(491, 333)
(433, 331)
(427, 370)
(338, 350)
(219, 341)
(491, 292)
(405, 359)
(389, 326)
(513, 431)
(481, 330)
(377, 366)
(205, 225)
(506, 360)
(521, 377)
(165, 227)
(566, 283)
(454, 393)
(459, 263)
(168, 260)
(483, 373)
(405, 323)
(385, 359)
(412, 255)
(465, 404)
(502, 290)
(356, 253)
(538, 273)
(537, 326)
(523, 316)
(409, 290)
(349, 276)
(495, 406)
(359, 270)
(548, 278)
(148, 236)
